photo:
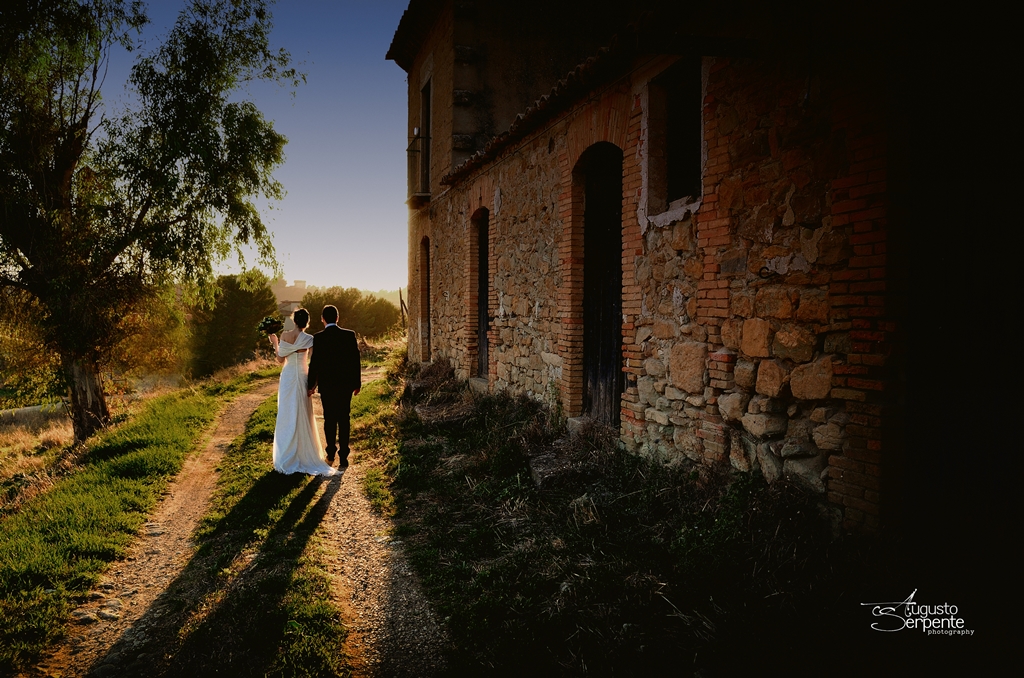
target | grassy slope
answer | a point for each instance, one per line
(55, 548)
(621, 566)
(373, 430)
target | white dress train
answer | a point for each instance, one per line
(297, 446)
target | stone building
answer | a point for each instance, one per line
(676, 226)
(289, 297)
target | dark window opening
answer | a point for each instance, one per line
(675, 135)
(424, 320)
(424, 137)
(483, 319)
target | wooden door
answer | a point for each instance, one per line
(602, 283)
(483, 320)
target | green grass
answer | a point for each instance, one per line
(372, 429)
(375, 356)
(375, 486)
(55, 548)
(620, 565)
(257, 567)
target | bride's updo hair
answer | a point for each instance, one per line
(301, 318)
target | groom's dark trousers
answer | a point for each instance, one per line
(334, 370)
(336, 420)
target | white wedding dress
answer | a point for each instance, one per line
(296, 439)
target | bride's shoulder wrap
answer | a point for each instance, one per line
(303, 341)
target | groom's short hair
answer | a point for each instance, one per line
(330, 314)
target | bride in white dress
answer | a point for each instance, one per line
(297, 446)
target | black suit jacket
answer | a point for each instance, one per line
(334, 365)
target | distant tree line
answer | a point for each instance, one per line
(164, 334)
(225, 334)
(366, 315)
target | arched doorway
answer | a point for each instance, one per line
(600, 174)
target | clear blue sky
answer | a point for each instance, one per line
(343, 221)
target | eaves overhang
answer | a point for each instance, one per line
(412, 31)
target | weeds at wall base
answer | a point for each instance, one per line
(617, 564)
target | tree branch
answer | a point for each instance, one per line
(15, 251)
(135, 234)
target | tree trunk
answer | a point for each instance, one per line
(89, 411)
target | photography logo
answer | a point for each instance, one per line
(934, 620)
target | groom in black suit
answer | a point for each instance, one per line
(334, 369)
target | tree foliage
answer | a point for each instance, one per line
(96, 211)
(367, 315)
(225, 334)
(28, 372)
(153, 339)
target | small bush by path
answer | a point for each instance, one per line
(53, 549)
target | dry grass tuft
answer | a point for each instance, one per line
(25, 441)
(241, 369)
(33, 456)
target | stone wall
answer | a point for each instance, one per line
(763, 331)
(755, 330)
(520, 194)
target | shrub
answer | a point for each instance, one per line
(225, 334)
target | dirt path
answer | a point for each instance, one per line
(156, 558)
(392, 630)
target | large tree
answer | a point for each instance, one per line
(97, 210)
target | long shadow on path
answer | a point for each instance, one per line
(225, 613)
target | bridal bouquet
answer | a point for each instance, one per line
(270, 325)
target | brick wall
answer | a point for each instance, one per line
(755, 329)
